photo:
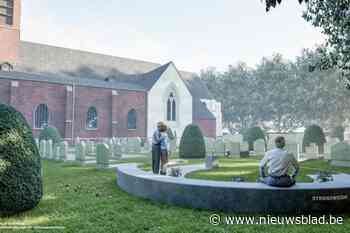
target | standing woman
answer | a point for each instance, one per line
(164, 149)
(156, 139)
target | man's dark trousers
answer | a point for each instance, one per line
(155, 158)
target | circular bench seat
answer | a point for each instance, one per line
(237, 197)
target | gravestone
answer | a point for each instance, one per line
(77, 140)
(209, 145)
(233, 138)
(233, 148)
(244, 146)
(117, 150)
(56, 152)
(340, 155)
(259, 147)
(80, 152)
(134, 145)
(37, 142)
(294, 149)
(146, 145)
(49, 149)
(219, 148)
(63, 151)
(173, 145)
(311, 151)
(43, 148)
(211, 162)
(103, 155)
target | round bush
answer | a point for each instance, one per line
(338, 132)
(192, 143)
(340, 152)
(20, 166)
(50, 133)
(314, 134)
(252, 134)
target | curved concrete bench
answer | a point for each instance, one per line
(246, 197)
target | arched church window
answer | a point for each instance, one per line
(41, 116)
(171, 107)
(132, 119)
(91, 118)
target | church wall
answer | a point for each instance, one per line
(112, 107)
(128, 100)
(99, 98)
(208, 127)
(4, 91)
(27, 95)
(157, 97)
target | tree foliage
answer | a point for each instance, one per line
(192, 143)
(252, 134)
(314, 134)
(333, 18)
(20, 167)
(50, 133)
(279, 94)
(273, 3)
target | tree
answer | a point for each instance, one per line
(314, 134)
(274, 3)
(50, 133)
(20, 166)
(235, 89)
(252, 134)
(333, 17)
(278, 93)
(192, 143)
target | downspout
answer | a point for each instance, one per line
(73, 112)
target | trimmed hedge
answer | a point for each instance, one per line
(192, 143)
(252, 134)
(50, 133)
(20, 166)
(340, 152)
(314, 134)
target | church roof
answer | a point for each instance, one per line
(39, 62)
(147, 80)
(67, 80)
(201, 112)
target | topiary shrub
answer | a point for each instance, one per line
(252, 134)
(50, 133)
(192, 143)
(314, 134)
(338, 132)
(20, 166)
(340, 152)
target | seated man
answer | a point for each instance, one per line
(278, 162)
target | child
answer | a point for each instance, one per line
(164, 150)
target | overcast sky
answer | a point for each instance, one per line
(195, 34)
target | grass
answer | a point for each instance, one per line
(84, 199)
(248, 169)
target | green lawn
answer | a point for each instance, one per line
(248, 168)
(83, 199)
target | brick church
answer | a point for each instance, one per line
(91, 95)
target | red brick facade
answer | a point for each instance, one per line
(112, 107)
(10, 35)
(208, 127)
